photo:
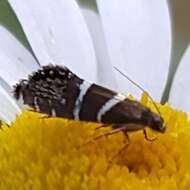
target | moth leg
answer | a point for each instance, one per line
(106, 134)
(146, 136)
(121, 150)
(126, 135)
(102, 126)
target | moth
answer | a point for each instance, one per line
(58, 92)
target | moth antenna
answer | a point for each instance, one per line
(138, 86)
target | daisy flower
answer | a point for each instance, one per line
(135, 37)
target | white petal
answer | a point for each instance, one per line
(105, 70)
(138, 33)
(8, 107)
(180, 15)
(57, 33)
(180, 91)
(15, 60)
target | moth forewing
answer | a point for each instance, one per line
(56, 91)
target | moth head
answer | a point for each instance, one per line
(156, 122)
(153, 121)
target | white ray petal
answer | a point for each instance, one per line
(8, 107)
(138, 33)
(57, 33)
(180, 91)
(105, 71)
(16, 62)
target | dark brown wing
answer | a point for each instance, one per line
(51, 90)
(56, 91)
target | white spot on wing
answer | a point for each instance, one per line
(51, 73)
(83, 89)
(109, 104)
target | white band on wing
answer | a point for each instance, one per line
(109, 104)
(83, 89)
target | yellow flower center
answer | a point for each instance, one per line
(38, 152)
